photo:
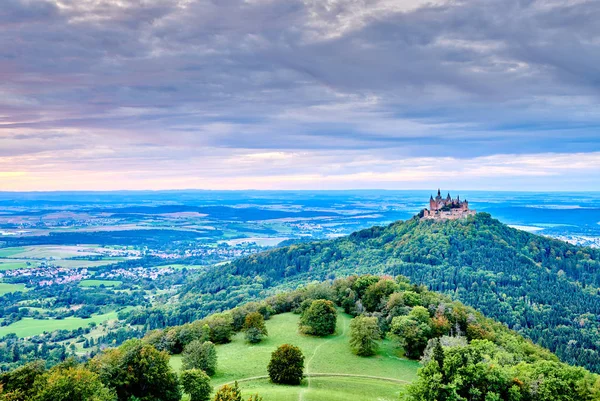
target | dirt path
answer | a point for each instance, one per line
(308, 374)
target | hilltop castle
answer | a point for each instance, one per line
(447, 208)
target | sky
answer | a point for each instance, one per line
(299, 94)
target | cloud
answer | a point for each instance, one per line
(132, 88)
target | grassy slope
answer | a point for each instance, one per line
(332, 354)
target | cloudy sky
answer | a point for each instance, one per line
(282, 94)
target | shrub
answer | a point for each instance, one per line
(228, 393)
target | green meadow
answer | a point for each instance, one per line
(6, 288)
(341, 375)
(98, 283)
(12, 264)
(30, 327)
(8, 252)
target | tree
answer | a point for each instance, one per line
(364, 333)
(377, 293)
(438, 354)
(19, 382)
(196, 383)
(254, 327)
(286, 365)
(361, 284)
(413, 331)
(319, 319)
(73, 383)
(200, 355)
(136, 369)
(221, 328)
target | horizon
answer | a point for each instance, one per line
(433, 192)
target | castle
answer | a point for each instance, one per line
(447, 208)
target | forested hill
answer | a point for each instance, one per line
(544, 288)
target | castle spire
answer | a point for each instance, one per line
(439, 192)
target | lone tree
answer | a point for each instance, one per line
(319, 319)
(200, 355)
(286, 365)
(364, 333)
(254, 327)
(196, 383)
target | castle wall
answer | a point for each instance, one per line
(458, 210)
(453, 214)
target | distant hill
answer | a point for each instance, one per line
(543, 288)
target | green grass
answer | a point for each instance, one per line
(239, 360)
(12, 264)
(325, 389)
(30, 327)
(6, 288)
(98, 283)
(8, 252)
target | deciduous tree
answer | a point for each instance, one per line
(136, 369)
(364, 333)
(196, 383)
(286, 365)
(254, 327)
(200, 355)
(319, 319)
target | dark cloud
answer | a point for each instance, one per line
(446, 78)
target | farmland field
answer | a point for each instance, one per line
(30, 327)
(46, 251)
(9, 252)
(6, 288)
